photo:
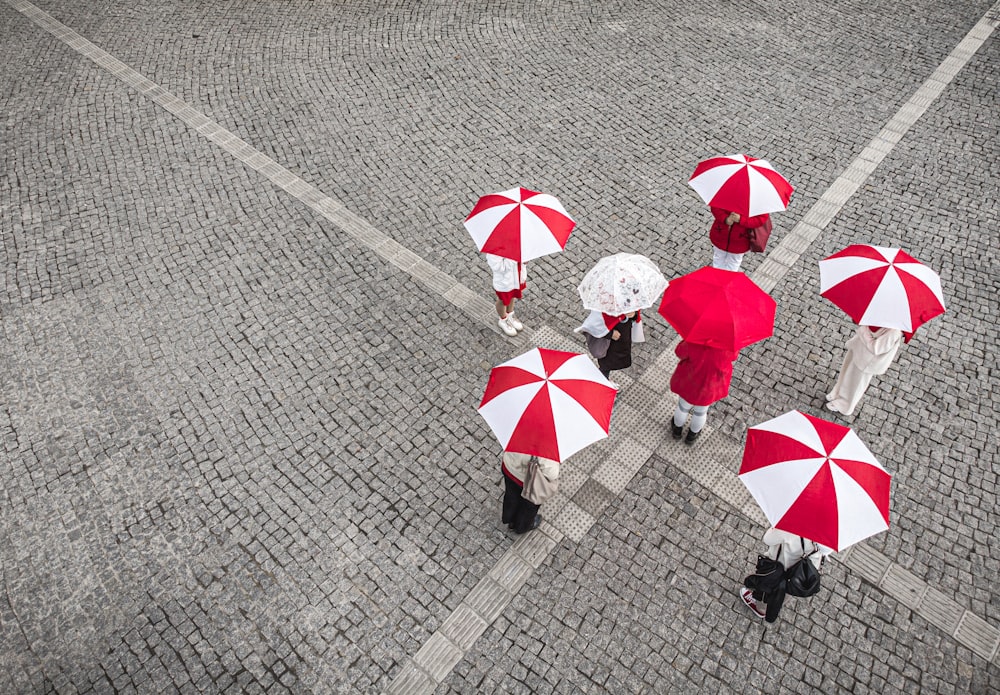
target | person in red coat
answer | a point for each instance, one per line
(730, 237)
(701, 378)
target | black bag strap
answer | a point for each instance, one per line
(813, 552)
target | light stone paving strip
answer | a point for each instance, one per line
(784, 256)
(601, 473)
(333, 210)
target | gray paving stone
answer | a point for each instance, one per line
(233, 463)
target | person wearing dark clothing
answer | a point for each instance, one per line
(610, 339)
(768, 583)
(520, 514)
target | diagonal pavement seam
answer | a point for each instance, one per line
(435, 279)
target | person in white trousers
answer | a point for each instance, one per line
(869, 352)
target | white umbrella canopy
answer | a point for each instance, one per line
(622, 283)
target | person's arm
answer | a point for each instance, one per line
(720, 215)
(887, 342)
(756, 221)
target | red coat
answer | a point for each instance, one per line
(733, 240)
(703, 374)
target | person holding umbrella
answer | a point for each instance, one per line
(869, 352)
(730, 237)
(610, 338)
(510, 279)
(740, 191)
(510, 228)
(889, 294)
(616, 289)
(821, 489)
(717, 313)
(769, 588)
(701, 378)
(520, 513)
(543, 406)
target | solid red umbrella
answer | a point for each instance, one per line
(548, 403)
(742, 184)
(519, 224)
(816, 479)
(880, 286)
(718, 308)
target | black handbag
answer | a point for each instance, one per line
(802, 578)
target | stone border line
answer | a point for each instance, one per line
(598, 476)
(601, 472)
(433, 278)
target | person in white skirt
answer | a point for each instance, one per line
(510, 279)
(869, 352)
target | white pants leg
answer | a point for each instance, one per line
(698, 413)
(850, 387)
(725, 260)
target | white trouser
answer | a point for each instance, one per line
(699, 414)
(725, 260)
(850, 387)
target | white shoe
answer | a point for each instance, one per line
(506, 327)
(512, 320)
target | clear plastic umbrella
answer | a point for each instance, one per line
(622, 283)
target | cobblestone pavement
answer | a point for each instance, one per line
(240, 451)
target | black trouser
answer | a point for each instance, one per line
(518, 513)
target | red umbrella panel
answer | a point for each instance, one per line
(816, 479)
(519, 224)
(880, 286)
(718, 308)
(548, 403)
(742, 184)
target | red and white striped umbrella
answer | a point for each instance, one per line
(548, 403)
(816, 479)
(519, 224)
(880, 286)
(741, 184)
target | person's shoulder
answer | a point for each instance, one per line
(774, 536)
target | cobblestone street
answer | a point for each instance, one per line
(244, 334)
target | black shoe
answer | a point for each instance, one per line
(676, 430)
(691, 437)
(534, 524)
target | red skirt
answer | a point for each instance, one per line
(508, 297)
